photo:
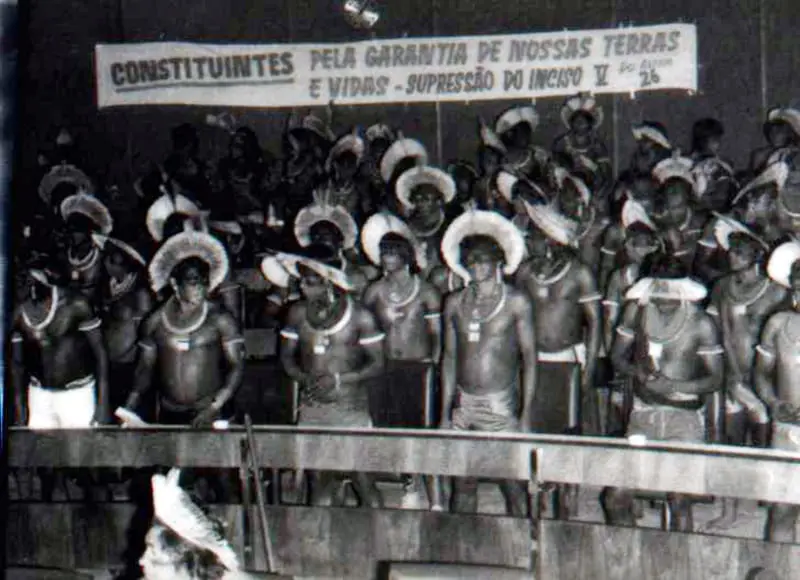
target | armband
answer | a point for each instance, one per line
(766, 353)
(16, 338)
(90, 325)
(432, 315)
(712, 310)
(710, 244)
(608, 252)
(289, 334)
(590, 298)
(375, 338)
(146, 345)
(626, 332)
(712, 350)
(234, 340)
(610, 303)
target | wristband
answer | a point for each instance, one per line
(338, 378)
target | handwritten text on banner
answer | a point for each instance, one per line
(619, 60)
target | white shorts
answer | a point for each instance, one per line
(72, 408)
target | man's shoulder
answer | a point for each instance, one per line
(517, 298)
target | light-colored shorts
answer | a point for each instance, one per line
(70, 408)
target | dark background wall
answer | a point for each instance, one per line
(59, 87)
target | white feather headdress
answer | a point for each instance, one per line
(514, 116)
(562, 176)
(101, 241)
(274, 271)
(352, 143)
(634, 212)
(322, 211)
(677, 167)
(188, 245)
(553, 224)
(781, 261)
(788, 115)
(384, 223)
(174, 508)
(165, 206)
(91, 207)
(424, 175)
(489, 138)
(401, 149)
(290, 262)
(775, 174)
(725, 226)
(64, 173)
(482, 223)
(651, 133)
(581, 102)
(682, 289)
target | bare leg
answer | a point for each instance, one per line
(435, 492)
(681, 513)
(516, 496)
(618, 507)
(781, 523)
(366, 491)
(465, 495)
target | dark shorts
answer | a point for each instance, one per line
(405, 396)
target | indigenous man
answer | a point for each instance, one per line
(83, 216)
(652, 147)
(568, 330)
(516, 127)
(716, 172)
(782, 131)
(742, 302)
(465, 176)
(568, 326)
(776, 378)
(346, 187)
(681, 226)
(581, 144)
(327, 224)
(489, 359)
(379, 138)
(57, 347)
(184, 166)
(124, 302)
(423, 193)
(671, 351)
(195, 345)
(332, 347)
(309, 140)
(408, 309)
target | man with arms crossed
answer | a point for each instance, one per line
(489, 342)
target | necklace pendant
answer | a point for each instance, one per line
(75, 275)
(740, 309)
(543, 292)
(655, 350)
(321, 346)
(183, 344)
(474, 334)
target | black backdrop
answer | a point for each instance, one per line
(737, 79)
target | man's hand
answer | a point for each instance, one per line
(206, 417)
(323, 388)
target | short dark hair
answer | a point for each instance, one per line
(180, 269)
(80, 222)
(325, 227)
(401, 244)
(705, 129)
(481, 243)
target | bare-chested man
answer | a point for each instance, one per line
(408, 309)
(124, 300)
(402, 155)
(568, 323)
(717, 173)
(741, 303)
(84, 215)
(489, 359)
(782, 131)
(423, 193)
(776, 378)
(515, 127)
(332, 347)
(672, 352)
(346, 186)
(59, 363)
(195, 346)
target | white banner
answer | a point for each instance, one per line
(410, 70)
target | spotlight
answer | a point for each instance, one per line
(359, 14)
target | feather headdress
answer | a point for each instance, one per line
(677, 167)
(512, 117)
(323, 211)
(164, 207)
(725, 226)
(188, 245)
(562, 176)
(634, 212)
(290, 262)
(482, 223)
(651, 133)
(424, 175)
(274, 271)
(682, 289)
(553, 224)
(781, 262)
(174, 508)
(64, 173)
(352, 143)
(489, 138)
(585, 103)
(384, 223)
(775, 174)
(91, 207)
(401, 149)
(788, 115)
(102, 241)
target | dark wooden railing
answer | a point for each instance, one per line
(350, 542)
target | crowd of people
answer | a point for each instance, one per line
(534, 291)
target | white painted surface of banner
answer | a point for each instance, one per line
(409, 70)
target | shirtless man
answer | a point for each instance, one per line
(718, 173)
(402, 155)
(59, 365)
(741, 303)
(83, 216)
(489, 358)
(332, 347)
(348, 189)
(672, 352)
(782, 131)
(188, 336)
(408, 309)
(581, 144)
(124, 300)
(776, 378)
(423, 193)
(568, 324)
(515, 127)
(681, 226)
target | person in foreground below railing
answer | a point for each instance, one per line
(184, 543)
(489, 337)
(671, 351)
(778, 381)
